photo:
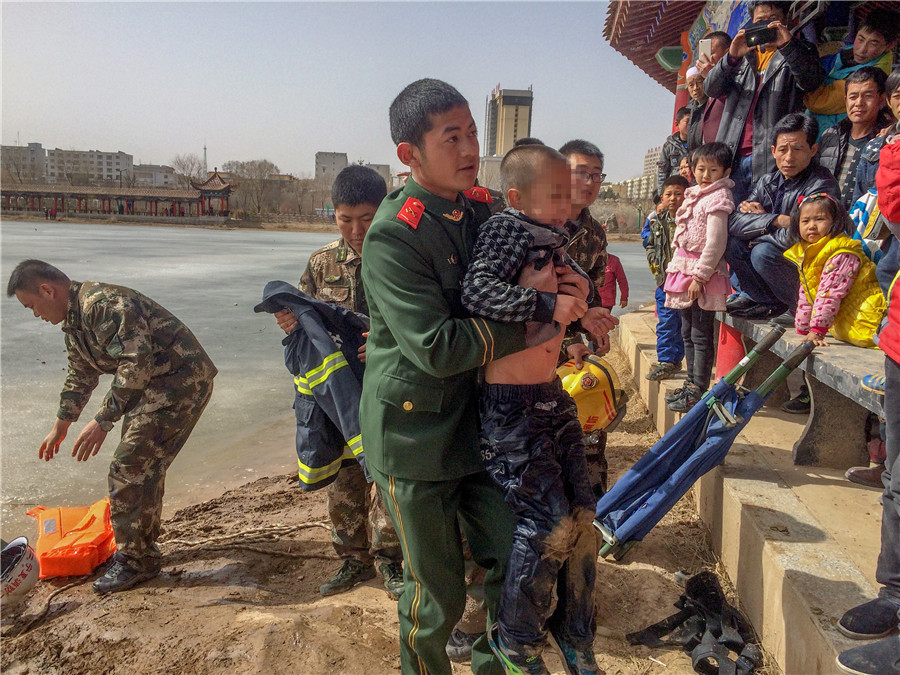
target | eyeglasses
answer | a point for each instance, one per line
(590, 177)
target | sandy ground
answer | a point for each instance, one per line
(256, 609)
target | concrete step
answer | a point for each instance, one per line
(798, 543)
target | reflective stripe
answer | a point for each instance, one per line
(355, 445)
(331, 363)
(302, 385)
(311, 476)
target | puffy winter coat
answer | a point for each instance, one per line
(863, 307)
(793, 70)
(673, 151)
(321, 354)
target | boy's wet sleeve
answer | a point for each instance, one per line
(403, 285)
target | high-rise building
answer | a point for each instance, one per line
(650, 161)
(88, 165)
(507, 119)
(330, 163)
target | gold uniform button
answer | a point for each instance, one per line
(407, 406)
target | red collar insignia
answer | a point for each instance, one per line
(411, 212)
(479, 194)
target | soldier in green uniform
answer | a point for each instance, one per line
(419, 402)
(162, 381)
(333, 274)
(587, 246)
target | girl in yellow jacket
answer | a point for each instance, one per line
(838, 288)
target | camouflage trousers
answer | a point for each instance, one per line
(353, 507)
(137, 473)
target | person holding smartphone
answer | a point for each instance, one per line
(761, 82)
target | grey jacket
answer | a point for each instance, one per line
(813, 179)
(669, 159)
(793, 70)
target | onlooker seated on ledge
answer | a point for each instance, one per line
(758, 230)
(761, 85)
(840, 147)
(872, 46)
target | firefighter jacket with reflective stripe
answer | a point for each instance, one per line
(321, 354)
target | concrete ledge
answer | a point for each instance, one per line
(793, 575)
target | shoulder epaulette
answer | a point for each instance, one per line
(479, 194)
(411, 212)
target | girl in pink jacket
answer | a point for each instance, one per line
(697, 278)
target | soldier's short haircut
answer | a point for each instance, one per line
(29, 274)
(717, 151)
(580, 147)
(356, 185)
(410, 113)
(528, 140)
(521, 166)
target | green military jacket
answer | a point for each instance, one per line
(419, 407)
(587, 247)
(334, 274)
(114, 330)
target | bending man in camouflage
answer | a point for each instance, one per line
(162, 382)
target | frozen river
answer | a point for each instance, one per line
(210, 279)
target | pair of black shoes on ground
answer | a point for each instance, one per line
(683, 399)
(353, 572)
(870, 621)
(743, 307)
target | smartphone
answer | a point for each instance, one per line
(705, 48)
(759, 33)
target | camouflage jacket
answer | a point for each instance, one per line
(334, 274)
(659, 246)
(114, 330)
(587, 247)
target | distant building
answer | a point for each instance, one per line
(330, 163)
(383, 170)
(650, 161)
(24, 163)
(154, 175)
(489, 172)
(87, 165)
(508, 118)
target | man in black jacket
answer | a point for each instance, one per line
(761, 85)
(841, 146)
(674, 149)
(758, 230)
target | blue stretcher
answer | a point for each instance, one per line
(696, 444)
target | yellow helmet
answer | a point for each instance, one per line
(596, 391)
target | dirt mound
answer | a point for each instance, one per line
(252, 605)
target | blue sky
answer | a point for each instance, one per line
(282, 81)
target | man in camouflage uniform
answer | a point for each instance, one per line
(587, 247)
(162, 381)
(333, 275)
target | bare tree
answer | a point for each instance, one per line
(254, 184)
(187, 168)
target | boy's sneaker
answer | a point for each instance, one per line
(392, 574)
(677, 393)
(513, 663)
(459, 646)
(663, 370)
(352, 572)
(120, 576)
(878, 658)
(800, 404)
(874, 383)
(874, 619)
(688, 400)
(577, 661)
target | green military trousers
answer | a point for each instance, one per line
(428, 516)
(137, 473)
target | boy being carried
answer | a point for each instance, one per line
(531, 438)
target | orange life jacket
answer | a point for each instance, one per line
(73, 541)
